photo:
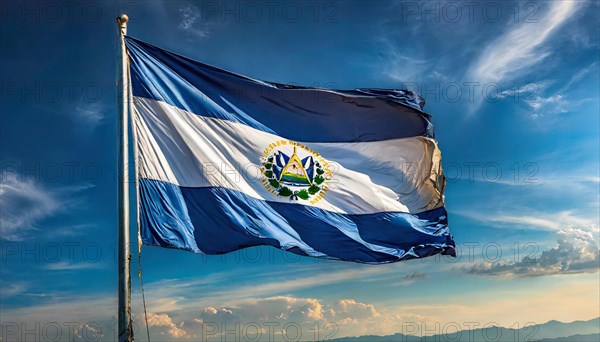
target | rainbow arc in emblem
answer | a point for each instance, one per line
(293, 170)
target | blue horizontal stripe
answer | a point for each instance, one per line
(296, 113)
(219, 220)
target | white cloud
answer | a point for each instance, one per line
(68, 308)
(580, 75)
(350, 309)
(550, 107)
(12, 289)
(163, 320)
(259, 289)
(404, 68)
(88, 331)
(525, 91)
(23, 204)
(577, 252)
(410, 278)
(522, 46)
(72, 266)
(342, 317)
(554, 221)
(555, 100)
(26, 202)
(172, 295)
(189, 16)
(90, 113)
(328, 317)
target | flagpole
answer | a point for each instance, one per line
(125, 330)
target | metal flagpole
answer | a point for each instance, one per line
(124, 317)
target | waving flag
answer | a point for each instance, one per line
(227, 162)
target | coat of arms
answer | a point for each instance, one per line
(293, 170)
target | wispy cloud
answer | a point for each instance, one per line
(525, 91)
(189, 22)
(170, 294)
(12, 289)
(72, 266)
(580, 75)
(577, 252)
(522, 46)
(163, 320)
(82, 318)
(26, 202)
(560, 101)
(410, 278)
(73, 230)
(289, 285)
(553, 221)
(542, 104)
(404, 68)
(90, 113)
(23, 203)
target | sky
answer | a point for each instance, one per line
(513, 90)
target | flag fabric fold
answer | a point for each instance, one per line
(227, 162)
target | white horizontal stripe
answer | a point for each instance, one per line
(189, 150)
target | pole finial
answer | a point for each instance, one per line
(122, 19)
(122, 23)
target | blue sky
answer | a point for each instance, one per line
(513, 89)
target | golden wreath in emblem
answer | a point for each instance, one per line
(293, 170)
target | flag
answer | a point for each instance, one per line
(226, 162)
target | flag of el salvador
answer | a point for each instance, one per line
(227, 162)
